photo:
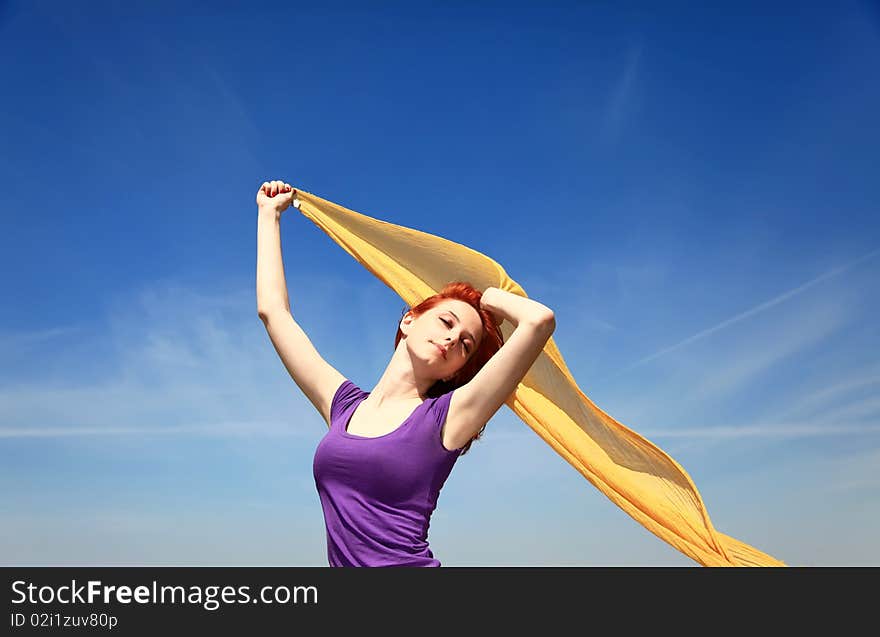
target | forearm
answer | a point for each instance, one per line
(515, 308)
(271, 285)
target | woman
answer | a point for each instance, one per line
(380, 467)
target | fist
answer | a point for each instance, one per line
(275, 196)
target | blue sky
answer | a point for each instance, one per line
(693, 191)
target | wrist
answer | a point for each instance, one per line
(488, 302)
(266, 212)
(513, 307)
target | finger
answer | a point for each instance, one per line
(265, 187)
(274, 189)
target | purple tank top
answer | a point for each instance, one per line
(378, 493)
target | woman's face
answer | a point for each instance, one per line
(444, 337)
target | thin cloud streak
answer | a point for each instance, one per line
(26, 339)
(768, 430)
(819, 427)
(620, 98)
(854, 471)
(744, 365)
(855, 410)
(219, 429)
(816, 399)
(164, 372)
(748, 313)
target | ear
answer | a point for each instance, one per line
(405, 322)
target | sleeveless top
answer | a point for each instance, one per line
(378, 493)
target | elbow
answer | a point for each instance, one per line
(266, 315)
(545, 321)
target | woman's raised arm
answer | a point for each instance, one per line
(273, 198)
(317, 379)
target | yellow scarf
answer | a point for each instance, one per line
(634, 473)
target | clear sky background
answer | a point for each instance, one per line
(694, 191)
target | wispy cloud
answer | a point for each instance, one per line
(741, 365)
(595, 324)
(815, 400)
(620, 99)
(855, 410)
(765, 430)
(213, 429)
(850, 472)
(748, 313)
(171, 361)
(15, 341)
(239, 120)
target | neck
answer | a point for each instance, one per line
(398, 382)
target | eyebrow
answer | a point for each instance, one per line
(468, 334)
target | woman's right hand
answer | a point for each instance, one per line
(275, 196)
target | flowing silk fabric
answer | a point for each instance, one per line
(635, 474)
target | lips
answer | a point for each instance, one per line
(442, 351)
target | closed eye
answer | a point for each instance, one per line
(448, 324)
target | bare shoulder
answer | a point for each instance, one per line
(333, 383)
(472, 405)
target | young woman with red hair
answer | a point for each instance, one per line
(387, 453)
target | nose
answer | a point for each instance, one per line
(449, 338)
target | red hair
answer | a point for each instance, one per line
(490, 343)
